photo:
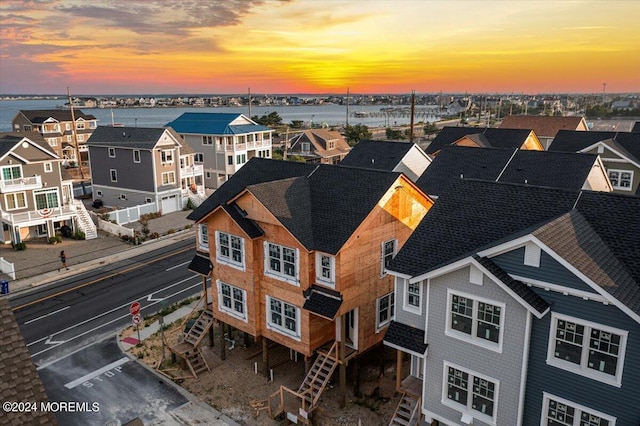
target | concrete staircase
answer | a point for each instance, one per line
(84, 222)
(407, 412)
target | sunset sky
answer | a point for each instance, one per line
(318, 46)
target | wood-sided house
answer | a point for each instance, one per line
(300, 254)
(319, 146)
(520, 305)
(487, 137)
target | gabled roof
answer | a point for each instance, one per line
(323, 209)
(486, 137)
(126, 137)
(319, 139)
(636, 127)
(626, 143)
(39, 116)
(19, 380)
(544, 126)
(379, 155)
(9, 140)
(215, 124)
(256, 170)
(538, 168)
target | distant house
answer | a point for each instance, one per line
(299, 256)
(620, 153)
(36, 195)
(19, 379)
(484, 138)
(537, 168)
(319, 146)
(520, 305)
(134, 165)
(222, 142)
(546, 127)
(391, 156)
(56, 126)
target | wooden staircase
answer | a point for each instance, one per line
(407, 412)
(199, 330)
(318, 376)
(196, 362)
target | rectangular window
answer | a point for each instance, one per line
(589, 349)
(123, 196)
(147, 200)
(412, 295)
(561, 412)
(241, 158)
(80, 125)
(166, 156)
(305, 146)
(136, 155)
(621, 179)
(230, 250)
(470, 393)
(281, 262)
(80, 138)
(112, 152)
(385, 307)
(198, 157)
(114, 175)
(46, 199)
(283, 317)
(16, 200)
(388, 252)
(27, 127)
(99, 193)
(207, 140)
(325, 269)
(476, 320)
(48, 167)
(11, 172)
(232, 300)
(203, 236)
(168, 178)
(230, 160)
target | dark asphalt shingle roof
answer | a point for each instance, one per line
(39, 116)
(486, 137)
(251, 228)
(200, 265)
(574, 141)
(544, 126)
(126, 137)
(321, 301)
(19, 380)
(379, 155)
(406, 337)
(213, 123)
(636, 127)
(523, 291)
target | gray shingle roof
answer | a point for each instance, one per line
(9, 139)
(407, 337)
(39, 116)
(574, 141)
(251, 228)
(379, 155)
(126, 137)
(19, 380)
(322, 301)
(200, 265)
(488, 137)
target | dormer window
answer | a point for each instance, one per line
(325, 269)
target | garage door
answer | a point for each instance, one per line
(169, 204)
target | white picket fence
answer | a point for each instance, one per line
(8, 268)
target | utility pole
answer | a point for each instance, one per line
(413, 110)
(249, 102)
(604, 86)
(75, 141)
(347, 106)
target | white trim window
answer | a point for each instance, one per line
(168, 178)
(470, 393)
(136, 155)
(48, 167)
(476, 320)
(11, 172)
(387, 253)
(283, 317)
(112, 152)
(325, 269)
(586, 348)
(621, 179)
(558, 411)
(230, 250)
(281, 262)
(114, 175)
(15, 200)
(232, 300)
(166, 156)
(46, 199)
(385, 310)
(412, 301)
(203, 236)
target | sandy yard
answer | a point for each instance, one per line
(232, 386)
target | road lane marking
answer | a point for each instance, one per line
(133, 268)
(106, 323)
(177, 266)
(112, 310)
(44, 316)
(96, 373)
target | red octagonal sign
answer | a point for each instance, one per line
(134, 309)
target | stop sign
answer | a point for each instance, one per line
(134, 309)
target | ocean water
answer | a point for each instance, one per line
(331, 115)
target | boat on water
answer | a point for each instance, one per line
(361, 114)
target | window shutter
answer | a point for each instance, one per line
(532, 255)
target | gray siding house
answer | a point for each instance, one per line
(527, 307)
(132, 166)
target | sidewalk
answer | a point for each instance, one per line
(39, 263)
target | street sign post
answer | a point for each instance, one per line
(134, 309)
(137, 319)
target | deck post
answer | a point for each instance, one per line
(223, 354)
(206, 306)
(343, 367)
(398, 369)
(265, 356)
(307, 365)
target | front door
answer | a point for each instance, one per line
(351, 332)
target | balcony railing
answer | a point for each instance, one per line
(244, 146)
(36, 215)
(21, 184)
(196, 169)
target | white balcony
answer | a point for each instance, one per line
(21, 184)
(244, 146)
(38, 215)
(195, 170)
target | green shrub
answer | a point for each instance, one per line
(55, 240)
(190, 205)
(171, 231)
(154, 235)
(20, 246)
(78, 235)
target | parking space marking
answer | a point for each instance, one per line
(96, 373)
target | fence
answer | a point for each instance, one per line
(7, 268)
(112, 228)
(131, 214)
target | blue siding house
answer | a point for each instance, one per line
(530, 308)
